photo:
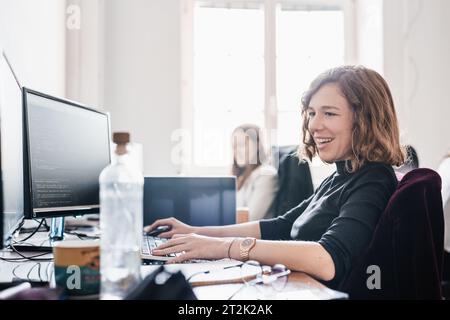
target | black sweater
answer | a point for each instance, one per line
(341, 215)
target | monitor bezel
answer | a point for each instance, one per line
(6, 237)
(2, 213)
(30, 212)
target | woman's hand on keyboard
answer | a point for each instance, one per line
(194, 246)
(176, 227)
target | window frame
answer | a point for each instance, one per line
(185, 137)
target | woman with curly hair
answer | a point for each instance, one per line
(349, 119)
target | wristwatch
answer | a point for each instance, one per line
(245, 247)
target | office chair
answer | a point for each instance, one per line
(412, 161)
(294, 178)
(407, 244)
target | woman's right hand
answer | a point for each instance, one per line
(176, 227)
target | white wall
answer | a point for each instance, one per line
(369, 33)
(417, 66)
(142, 75)
(140, 80)
(84, 51)
(32, 34)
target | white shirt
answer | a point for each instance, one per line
(259, 192)
(444, 172)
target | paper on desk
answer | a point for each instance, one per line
(305, 293)
(195, 271)
(311, 294)
(217, 273)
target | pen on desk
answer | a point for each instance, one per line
(209, 271)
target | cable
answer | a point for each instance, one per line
(24, 258)
(32, 233)
(33, 258)
(14, 259)
(25, 243)
(79, 236)
(50, 277)
(39, 272)
(188, 279)
(29, 271)
(28, 278)
(82, 236)
(46, 272)
(47, 227)
(27, 259)
(237, 291)
(14, 271)
(209, 271)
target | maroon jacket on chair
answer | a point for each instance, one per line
(407, 244)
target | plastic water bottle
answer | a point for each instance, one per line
(121, 192)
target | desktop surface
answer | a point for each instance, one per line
(299, 285)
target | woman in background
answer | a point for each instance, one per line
(257, 181)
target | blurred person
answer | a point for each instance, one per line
(444, 172)
(256, 179)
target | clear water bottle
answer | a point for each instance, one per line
(121, 192)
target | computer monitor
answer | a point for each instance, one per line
(198, 201)
(67, 145)
(1, 203)
(11, 153)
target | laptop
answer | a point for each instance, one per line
(197, 201)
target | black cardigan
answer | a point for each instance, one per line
(341, 215)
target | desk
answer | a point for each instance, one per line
(299, 286)
(25, 270)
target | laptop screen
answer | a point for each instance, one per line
(197, 201)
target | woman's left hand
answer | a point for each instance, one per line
(194, 246)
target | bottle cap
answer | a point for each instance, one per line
(121, 137)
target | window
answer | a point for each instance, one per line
(228, 78)
(308, 42)
(251, 62)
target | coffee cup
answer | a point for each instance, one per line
(77, 267)
(242, 214)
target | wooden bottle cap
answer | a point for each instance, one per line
(121, 137)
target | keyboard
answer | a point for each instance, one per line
(148, 244)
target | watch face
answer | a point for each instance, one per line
(247, 242)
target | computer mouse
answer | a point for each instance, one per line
(158, 230)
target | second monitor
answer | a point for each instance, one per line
(66, 147)
(198, 201)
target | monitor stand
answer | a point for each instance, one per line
(56, 234)
(57, 229)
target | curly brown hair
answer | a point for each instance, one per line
(375, 136)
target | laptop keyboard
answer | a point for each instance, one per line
(149, 243)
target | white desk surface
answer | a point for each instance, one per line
(299, 286)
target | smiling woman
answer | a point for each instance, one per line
(330, 122)
(356, 115)
(349, 120)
